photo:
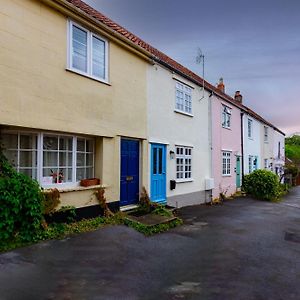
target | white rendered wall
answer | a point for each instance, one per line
(279, 161)
(267, 147)
(172, 128)
(252, 146)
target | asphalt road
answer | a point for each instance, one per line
(244, 249)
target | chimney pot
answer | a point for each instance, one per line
(221, 85)
(238, 97)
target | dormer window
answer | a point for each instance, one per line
(226, 117)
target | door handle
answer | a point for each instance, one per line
(129, 178)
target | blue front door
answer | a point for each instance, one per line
(158, 173)
(129, 172)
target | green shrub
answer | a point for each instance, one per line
(21, 203)
(262, 184)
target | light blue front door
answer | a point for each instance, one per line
(158, 173)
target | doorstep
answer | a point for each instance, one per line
(128, 207)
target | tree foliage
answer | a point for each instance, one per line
(21, 203)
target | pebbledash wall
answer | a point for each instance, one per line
(226, 147)
(40, 95)
(170, 126)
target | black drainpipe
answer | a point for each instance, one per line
(242, 146)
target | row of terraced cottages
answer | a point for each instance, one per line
(81, 97)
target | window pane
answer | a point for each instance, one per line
(27, 172)
(65, 159)
(89, 159)
(12, 156)
(50, 143)
(65, 175)
(98, 57)
(49, 171)
(80, 174)
(50, 159)
(160, 161)
(28, 142)
(154, 161)
(65, 143)
(80, 161)
(79, 45)
(81, 145)
(9, 141)
(89, 146)
(90, 172)
(28, 159)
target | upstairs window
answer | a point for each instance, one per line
(183, 98)
(250, 129)
(183, 163)
(266, 135)
(226, 117)
(88, 53)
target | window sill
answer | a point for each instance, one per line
(228, 128)
(88, 76)
(75, 188)
(183, 113)
(226, 175)
(184, 180)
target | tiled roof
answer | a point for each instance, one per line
(161, 57)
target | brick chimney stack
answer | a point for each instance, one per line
(221, 85)
(238, 97)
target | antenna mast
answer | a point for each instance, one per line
(200, 60)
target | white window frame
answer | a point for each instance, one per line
(40, 152)
(250, 128)
(251, 160)
(226, 163)
(266, 134)
(226, 117)
(186, 154)
(90, 36)
(186, 92)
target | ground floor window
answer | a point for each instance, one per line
(253, 163)
(266, 163)
(50, 158)
(183, 162)
(226, 163)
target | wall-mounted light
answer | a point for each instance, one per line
(172, 154)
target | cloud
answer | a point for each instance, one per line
(254, 45)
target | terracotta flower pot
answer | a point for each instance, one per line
(89, 182)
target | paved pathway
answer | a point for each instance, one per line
(244, 249)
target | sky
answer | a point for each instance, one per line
(253, 45)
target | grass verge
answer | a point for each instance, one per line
(63, 230)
